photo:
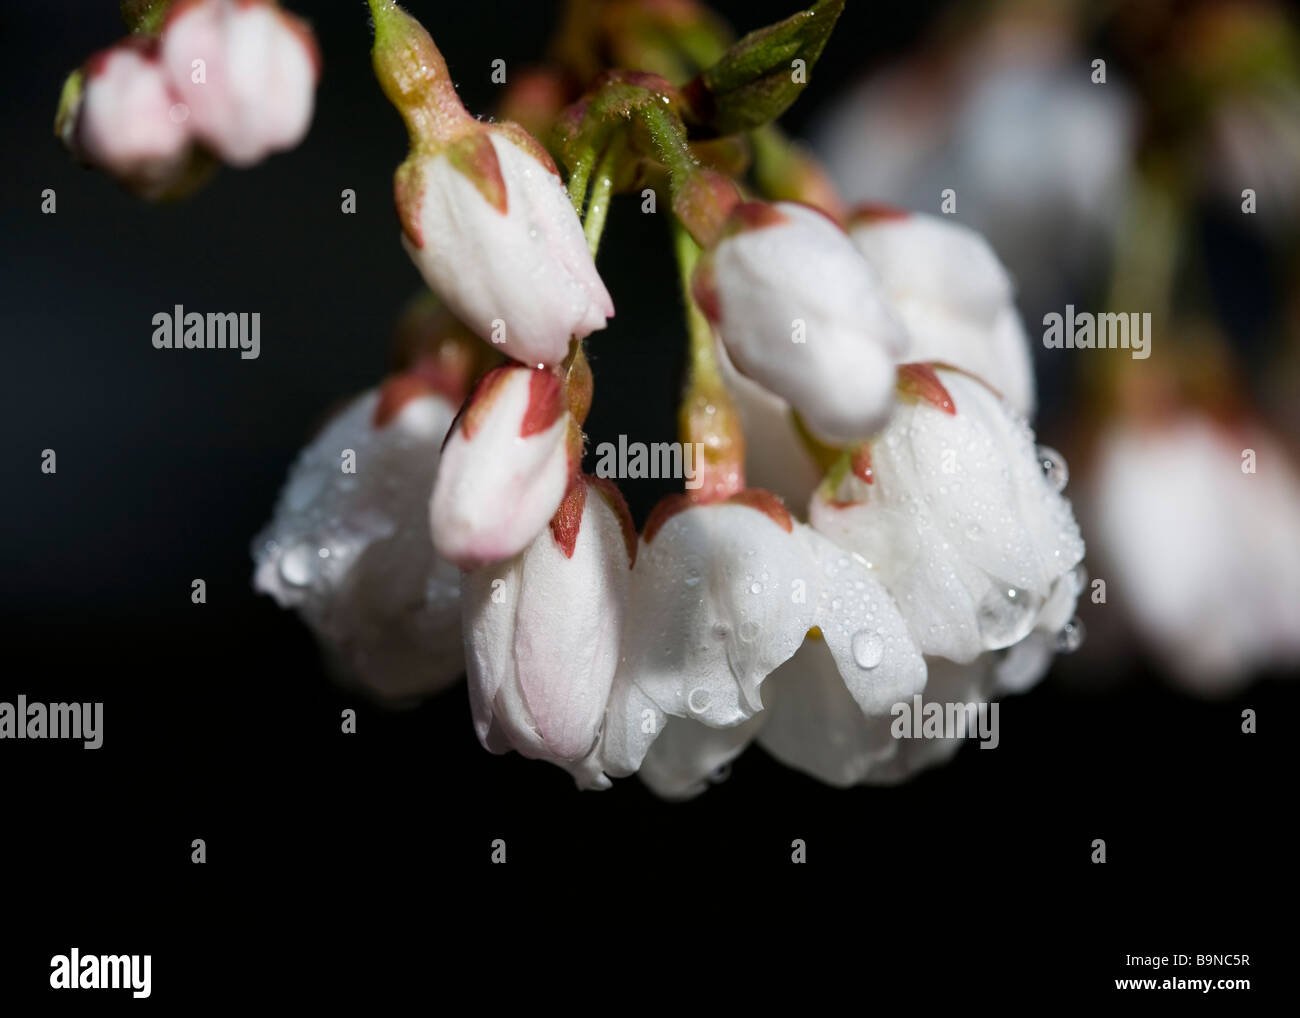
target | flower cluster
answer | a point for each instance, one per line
(212, 78)
(920, 544)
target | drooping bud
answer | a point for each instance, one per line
(801, 313)
(505, 467)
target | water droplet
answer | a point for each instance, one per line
(297, 566)
(720, 774)
(748, 631)
(1006, 615)
(324, 553)
(179, 113)
(1070, 638)
(699, 699)
(1055, 469)
(756, 588)
(692, 578)
(868, 649)
(721, 630)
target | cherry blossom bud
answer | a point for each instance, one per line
(542, 633)
(506, 466)
(959, 513)
(484, 215)
(246, 71)
(801, 313)
(118, 114)
(491, 229)
(348, 546)
(945, 284)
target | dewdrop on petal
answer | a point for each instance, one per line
(951, 504)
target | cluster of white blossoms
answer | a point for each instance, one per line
(232, 78)
(932, 553)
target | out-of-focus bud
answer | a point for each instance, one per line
(801, 313)
(1199, 525)
(948, 288)
(960, 512)
(484, 215)
(348, 547)
(246, 73)
(118, 113)
(542, 633)
(506, 466)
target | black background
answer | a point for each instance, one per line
(221, 724)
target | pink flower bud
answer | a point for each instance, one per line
(505, 467)
(247, 72)
(126, 122)
(801, 313)
(490, 227)
(542, 633)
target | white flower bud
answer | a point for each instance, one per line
(542, 633)
(505, 467)
(491, 228)
(801, 312)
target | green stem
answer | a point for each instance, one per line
(704, 360)
(669, 137)
(578, 180)
(602, 191)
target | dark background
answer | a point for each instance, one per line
(220, 722)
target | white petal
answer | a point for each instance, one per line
(351, 553)
(862, 627)
(714, 596)
(683, 760)
(968, 535)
